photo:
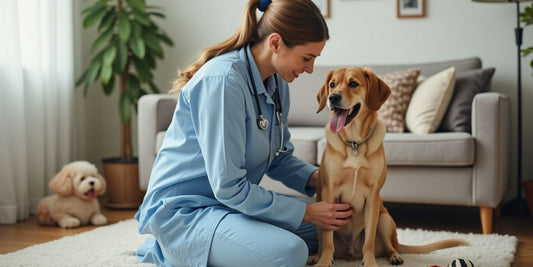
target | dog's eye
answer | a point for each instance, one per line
(331, 85)
(353, 84)
(82, 178)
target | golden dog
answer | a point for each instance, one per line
(353, 170)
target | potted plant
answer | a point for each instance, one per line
(125, 54)
(526, 16)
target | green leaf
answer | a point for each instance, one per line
(94, 17)
(106, 73)
(103, 39)
(108, 20)
(527, 51)
(122, 53)
(143, 71)
(154, 7)
(124, 107)
(152, 41)
(94, 70)
(137, 46)
(82, 78)
(149, 60)
(124, 27)
(138, 5)
(94, 8)
(136, 28)
(157, 14)
(133, 86)
(110, 55)
(141, 17)
(108, 88)
(163, 37)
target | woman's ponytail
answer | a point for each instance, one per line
(246, 33)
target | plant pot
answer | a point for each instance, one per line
(527, 185)
(122, 183)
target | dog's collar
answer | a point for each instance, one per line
(355, 145)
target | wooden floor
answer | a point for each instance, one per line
(456, 219)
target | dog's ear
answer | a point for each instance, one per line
(61, 184)
(377, 92)
(103, 183)
(323, 92)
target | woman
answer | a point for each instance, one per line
(203, 205)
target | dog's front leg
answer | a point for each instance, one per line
(66, 221)
(371, 222)
(98, 219)
(327, 248)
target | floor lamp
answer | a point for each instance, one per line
(518, 206)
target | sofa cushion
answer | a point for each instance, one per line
(429, 102)
(439, 149)
(467, 85)
(305, 141)
(402, 84)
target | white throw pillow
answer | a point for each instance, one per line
(430, 101)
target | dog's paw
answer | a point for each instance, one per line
(323, 263)
(312, 259)
(370, 262)
(69, 222)
(98, 219)
(396, 259)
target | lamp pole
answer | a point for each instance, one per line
(518, 206)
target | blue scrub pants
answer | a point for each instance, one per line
(243, 241)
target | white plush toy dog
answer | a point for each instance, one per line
(76, 187)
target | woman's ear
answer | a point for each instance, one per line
(61, 184)
(275, 42)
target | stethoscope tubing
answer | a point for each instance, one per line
(262, 123)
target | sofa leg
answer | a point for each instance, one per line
(486, 213)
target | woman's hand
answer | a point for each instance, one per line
(328, 215)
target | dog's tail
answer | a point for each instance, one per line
(448, 243)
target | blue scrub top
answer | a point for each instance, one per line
(214, 156)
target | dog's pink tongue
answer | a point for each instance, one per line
(91, 194)
(338, 120)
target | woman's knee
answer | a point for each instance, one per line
(293, 253)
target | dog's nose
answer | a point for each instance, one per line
(334, 98)
(91, 183)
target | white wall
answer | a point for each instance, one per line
(362, 32)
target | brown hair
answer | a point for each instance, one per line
(297, 21)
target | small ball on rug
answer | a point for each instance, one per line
(461, 263)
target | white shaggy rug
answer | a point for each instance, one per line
(115, 245)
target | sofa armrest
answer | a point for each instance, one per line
(490, 128)
(154, 115)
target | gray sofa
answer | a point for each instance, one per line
(447, 168)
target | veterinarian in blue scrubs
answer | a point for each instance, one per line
(203, 205)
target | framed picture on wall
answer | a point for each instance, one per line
(323, 5)
(410, 8)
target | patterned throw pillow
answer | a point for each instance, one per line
(402, 84)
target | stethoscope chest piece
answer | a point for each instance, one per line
(262, 123)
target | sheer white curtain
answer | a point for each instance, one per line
(36, 100)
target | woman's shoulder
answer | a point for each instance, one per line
(228, 65)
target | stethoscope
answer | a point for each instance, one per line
(262, 123)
